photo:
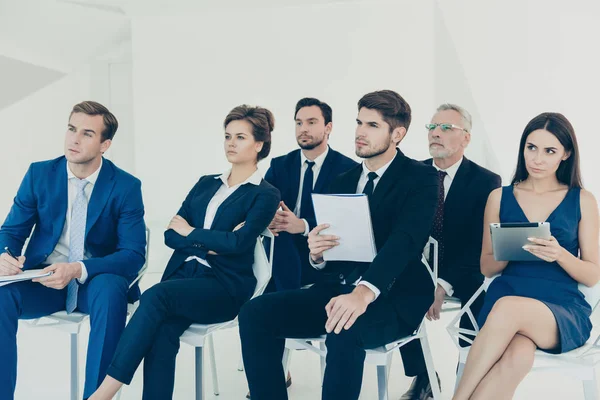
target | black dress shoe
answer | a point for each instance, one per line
(420, 389)
(288, 383)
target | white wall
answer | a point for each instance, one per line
(509, 61)
(188, 72)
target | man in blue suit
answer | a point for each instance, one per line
(307, 170)
(89, 232)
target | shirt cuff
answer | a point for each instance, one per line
(84, 273)
(306, 227)
(372, 287)
(447, 287)
(315, 265)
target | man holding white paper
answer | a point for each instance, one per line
(361, 305)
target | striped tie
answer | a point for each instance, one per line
(76, 238)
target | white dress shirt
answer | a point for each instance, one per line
(316, 169)
(61, 251)
(362, 182)
(220, 196)
(448, 179)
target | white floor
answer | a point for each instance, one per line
(44, 369)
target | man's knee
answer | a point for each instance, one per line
(108, 291)
(8, 297)
(254, 315)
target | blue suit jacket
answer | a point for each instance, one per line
(254, 205)
(291, 267)
(115, 230)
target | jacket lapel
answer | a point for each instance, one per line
(242, 190)
(387, 181)
(324, 174)
(100, 195)
(59, 193)
(458, 188)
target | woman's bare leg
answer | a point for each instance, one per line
(509, 316)
(504, 377)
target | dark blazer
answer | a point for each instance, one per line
(291, 267)
(254, 205)
(402, 210)
(463, 226)
(115, 233)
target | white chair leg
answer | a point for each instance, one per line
(435, 389)
(590, 389)
(213, 365)
(323, 361)
(382, 382)
(74, 366)
(118, 397)
(241, 363)
(459, 373)
(199, 375)
(287, 357)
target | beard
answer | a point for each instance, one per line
(374, 152)
(310, 145)
(441, 152)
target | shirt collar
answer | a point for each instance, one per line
(91, 179)
(318, 161)
(381, 170)
(254, 179)
(451, 170)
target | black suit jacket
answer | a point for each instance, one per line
(463, 226)
(290, 265)
(254, 205)
(402, 210)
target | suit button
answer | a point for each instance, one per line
(341, 276)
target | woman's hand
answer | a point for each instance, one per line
(547, 250)
(180, 225)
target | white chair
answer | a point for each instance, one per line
(199, 334)
(71, 323)
(579, 363)
(381, 357)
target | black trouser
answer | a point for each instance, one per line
(191, 295)
(412, 353)
(267, 320)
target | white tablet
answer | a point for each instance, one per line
(508, 239)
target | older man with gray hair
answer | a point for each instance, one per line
(458, 227)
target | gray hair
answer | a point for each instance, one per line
(466, 117)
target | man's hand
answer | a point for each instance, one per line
(180, 225)
(11, 266)
(434, 311)
(286, 221)
(62, 274)
(318, 243)
(342, 311)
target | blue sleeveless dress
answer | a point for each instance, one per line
(545, 281)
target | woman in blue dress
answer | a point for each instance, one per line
(536, 304)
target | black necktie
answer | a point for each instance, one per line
(306, 205)
(437, 230)
(368, 190)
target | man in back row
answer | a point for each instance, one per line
(297, 175)
(89, 232)
(458, 228)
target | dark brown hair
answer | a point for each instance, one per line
(92, 108)
(311, 101)
(557, 124)
(394, 110)
(262, 122)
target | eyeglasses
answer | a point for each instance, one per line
(444, 127)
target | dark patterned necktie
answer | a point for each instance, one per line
(368, 190)
(306, 205)
(437, 230)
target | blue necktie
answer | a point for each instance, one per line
(368, 190)
(76, 238)
(306, 205)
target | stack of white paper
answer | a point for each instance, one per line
(23, 276)
(349, 218)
